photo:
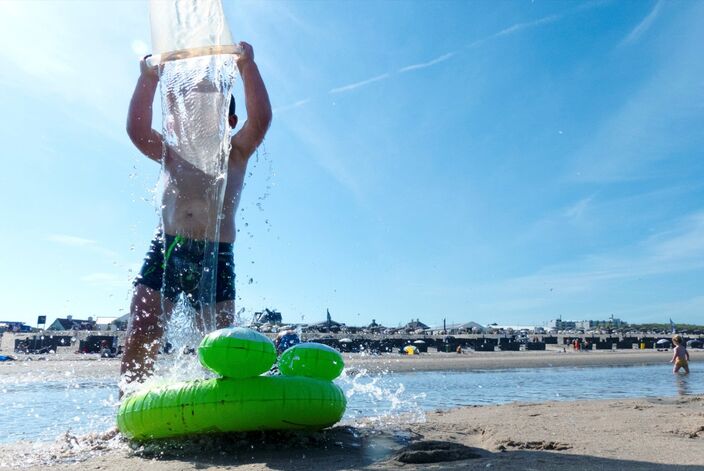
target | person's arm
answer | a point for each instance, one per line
(139, 117)
(257, 103)
(674, 355)
(686, 354)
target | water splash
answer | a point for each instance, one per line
(375, 400)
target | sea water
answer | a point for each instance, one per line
(42, 408)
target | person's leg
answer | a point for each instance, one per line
(225, 288)
(225, 314)
(144, 333)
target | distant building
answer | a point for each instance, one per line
(415, 325)
(463, 328)
(267, 316)
(374, 327)
(69, 323)
(14, 326)
(121, 322)
(611, 323)
(559, 324)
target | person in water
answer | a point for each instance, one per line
(179, 245)
(680, 356)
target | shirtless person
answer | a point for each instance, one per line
(182, 239)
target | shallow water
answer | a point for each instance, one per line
(41, 408)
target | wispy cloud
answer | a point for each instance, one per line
(72, 241)
(527, 25)
(679, 310)
(353, 86)
(577, 210)
(593, 282)
(291, 106)
(104, 279)
(651, 123)
(677, 250)
(423, 65)
(442, 58)
(324, 150)
(644, 25)
(81, 242)
(518, 27)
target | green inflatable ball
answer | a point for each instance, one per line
(237, 352)
(313, 360)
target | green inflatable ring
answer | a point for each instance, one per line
(230, 405)
(237, 352)
(242, 400)
(313, 360)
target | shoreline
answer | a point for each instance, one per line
(508, 360)
(94, 366)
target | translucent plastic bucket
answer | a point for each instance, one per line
(188, 28)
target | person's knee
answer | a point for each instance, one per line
(225, 320)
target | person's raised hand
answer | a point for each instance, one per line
(246, 55)
(147, 70)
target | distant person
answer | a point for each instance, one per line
(680, 355)
(105, 350)
(178, 245)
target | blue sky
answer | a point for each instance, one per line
(503, 162)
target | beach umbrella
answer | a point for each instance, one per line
(663, 342)
(419, 341)
(410, 350)
(345, 340)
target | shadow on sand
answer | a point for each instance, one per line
(351, 448)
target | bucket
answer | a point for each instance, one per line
(188, 28)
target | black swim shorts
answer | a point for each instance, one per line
(175, 265)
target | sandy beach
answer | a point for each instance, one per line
(93, 366)
(639, 434)
(633, 434)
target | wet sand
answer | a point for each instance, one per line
(641, 434)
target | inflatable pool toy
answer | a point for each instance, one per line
(312, 360)
(237, 352)
(304, 397)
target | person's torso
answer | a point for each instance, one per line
(681, 352)
(191, 201)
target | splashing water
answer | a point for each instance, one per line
(374, 401)
(195, 96)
